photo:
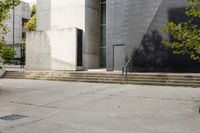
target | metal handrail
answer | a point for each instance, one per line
(125, 70)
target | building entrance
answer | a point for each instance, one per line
(79, 48)
(119, 57)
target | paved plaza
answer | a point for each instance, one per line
(63, 107)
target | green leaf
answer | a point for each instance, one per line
(185, 34)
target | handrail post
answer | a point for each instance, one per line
(126, 74)
(125, 70)
(123, 75)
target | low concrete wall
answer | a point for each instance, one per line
(2, 71)
(51, 50)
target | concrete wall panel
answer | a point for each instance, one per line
(63, 14)
(92, 34)
(51, 50)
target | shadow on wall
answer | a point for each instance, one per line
(152, 56)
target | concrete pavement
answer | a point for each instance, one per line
(62, 107)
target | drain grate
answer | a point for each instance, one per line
(12, 117)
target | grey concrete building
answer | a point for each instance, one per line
(113, 32)
(16, 22)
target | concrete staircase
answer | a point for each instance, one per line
(163, 79)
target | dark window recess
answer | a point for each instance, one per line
(23, 35)
(79, 48)
(24, 21)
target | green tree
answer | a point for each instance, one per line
(186, 34)
(31, 24)
(34, 10)
(8, 54)
(5, 7)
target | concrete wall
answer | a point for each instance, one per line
(138, 25)
(26, 10)
(43, 15)
(21, 11)
(18, 26)
(92, 34)
(83, 14)
(51, 50)
(57, 15)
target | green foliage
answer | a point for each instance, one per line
(31, 24)
(185, 34)
(194, 8)
(3, 32)
(5, 7)
(8, 54)
(34, 10)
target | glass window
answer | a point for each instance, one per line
(103, 13)
(103, 0)
(103, 33)
(103, 57)
(103, 36)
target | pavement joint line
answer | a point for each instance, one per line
(30, 122)
(92, 102)
(30, 104)
(107, 97)
(166, 99)
(42, 106)
(46, 105)
(95, 101)
(22, 91)
(69, 98)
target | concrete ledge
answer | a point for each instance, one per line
(2, 71)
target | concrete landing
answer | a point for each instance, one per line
(64, 107)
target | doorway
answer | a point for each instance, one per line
(79, 48)
(118, 56)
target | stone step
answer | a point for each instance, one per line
(106, 77)
(143, 74)
(110, 80)
(136, 82)
(79, 73)
(145, 78)
(137, 78)
(105, 74)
